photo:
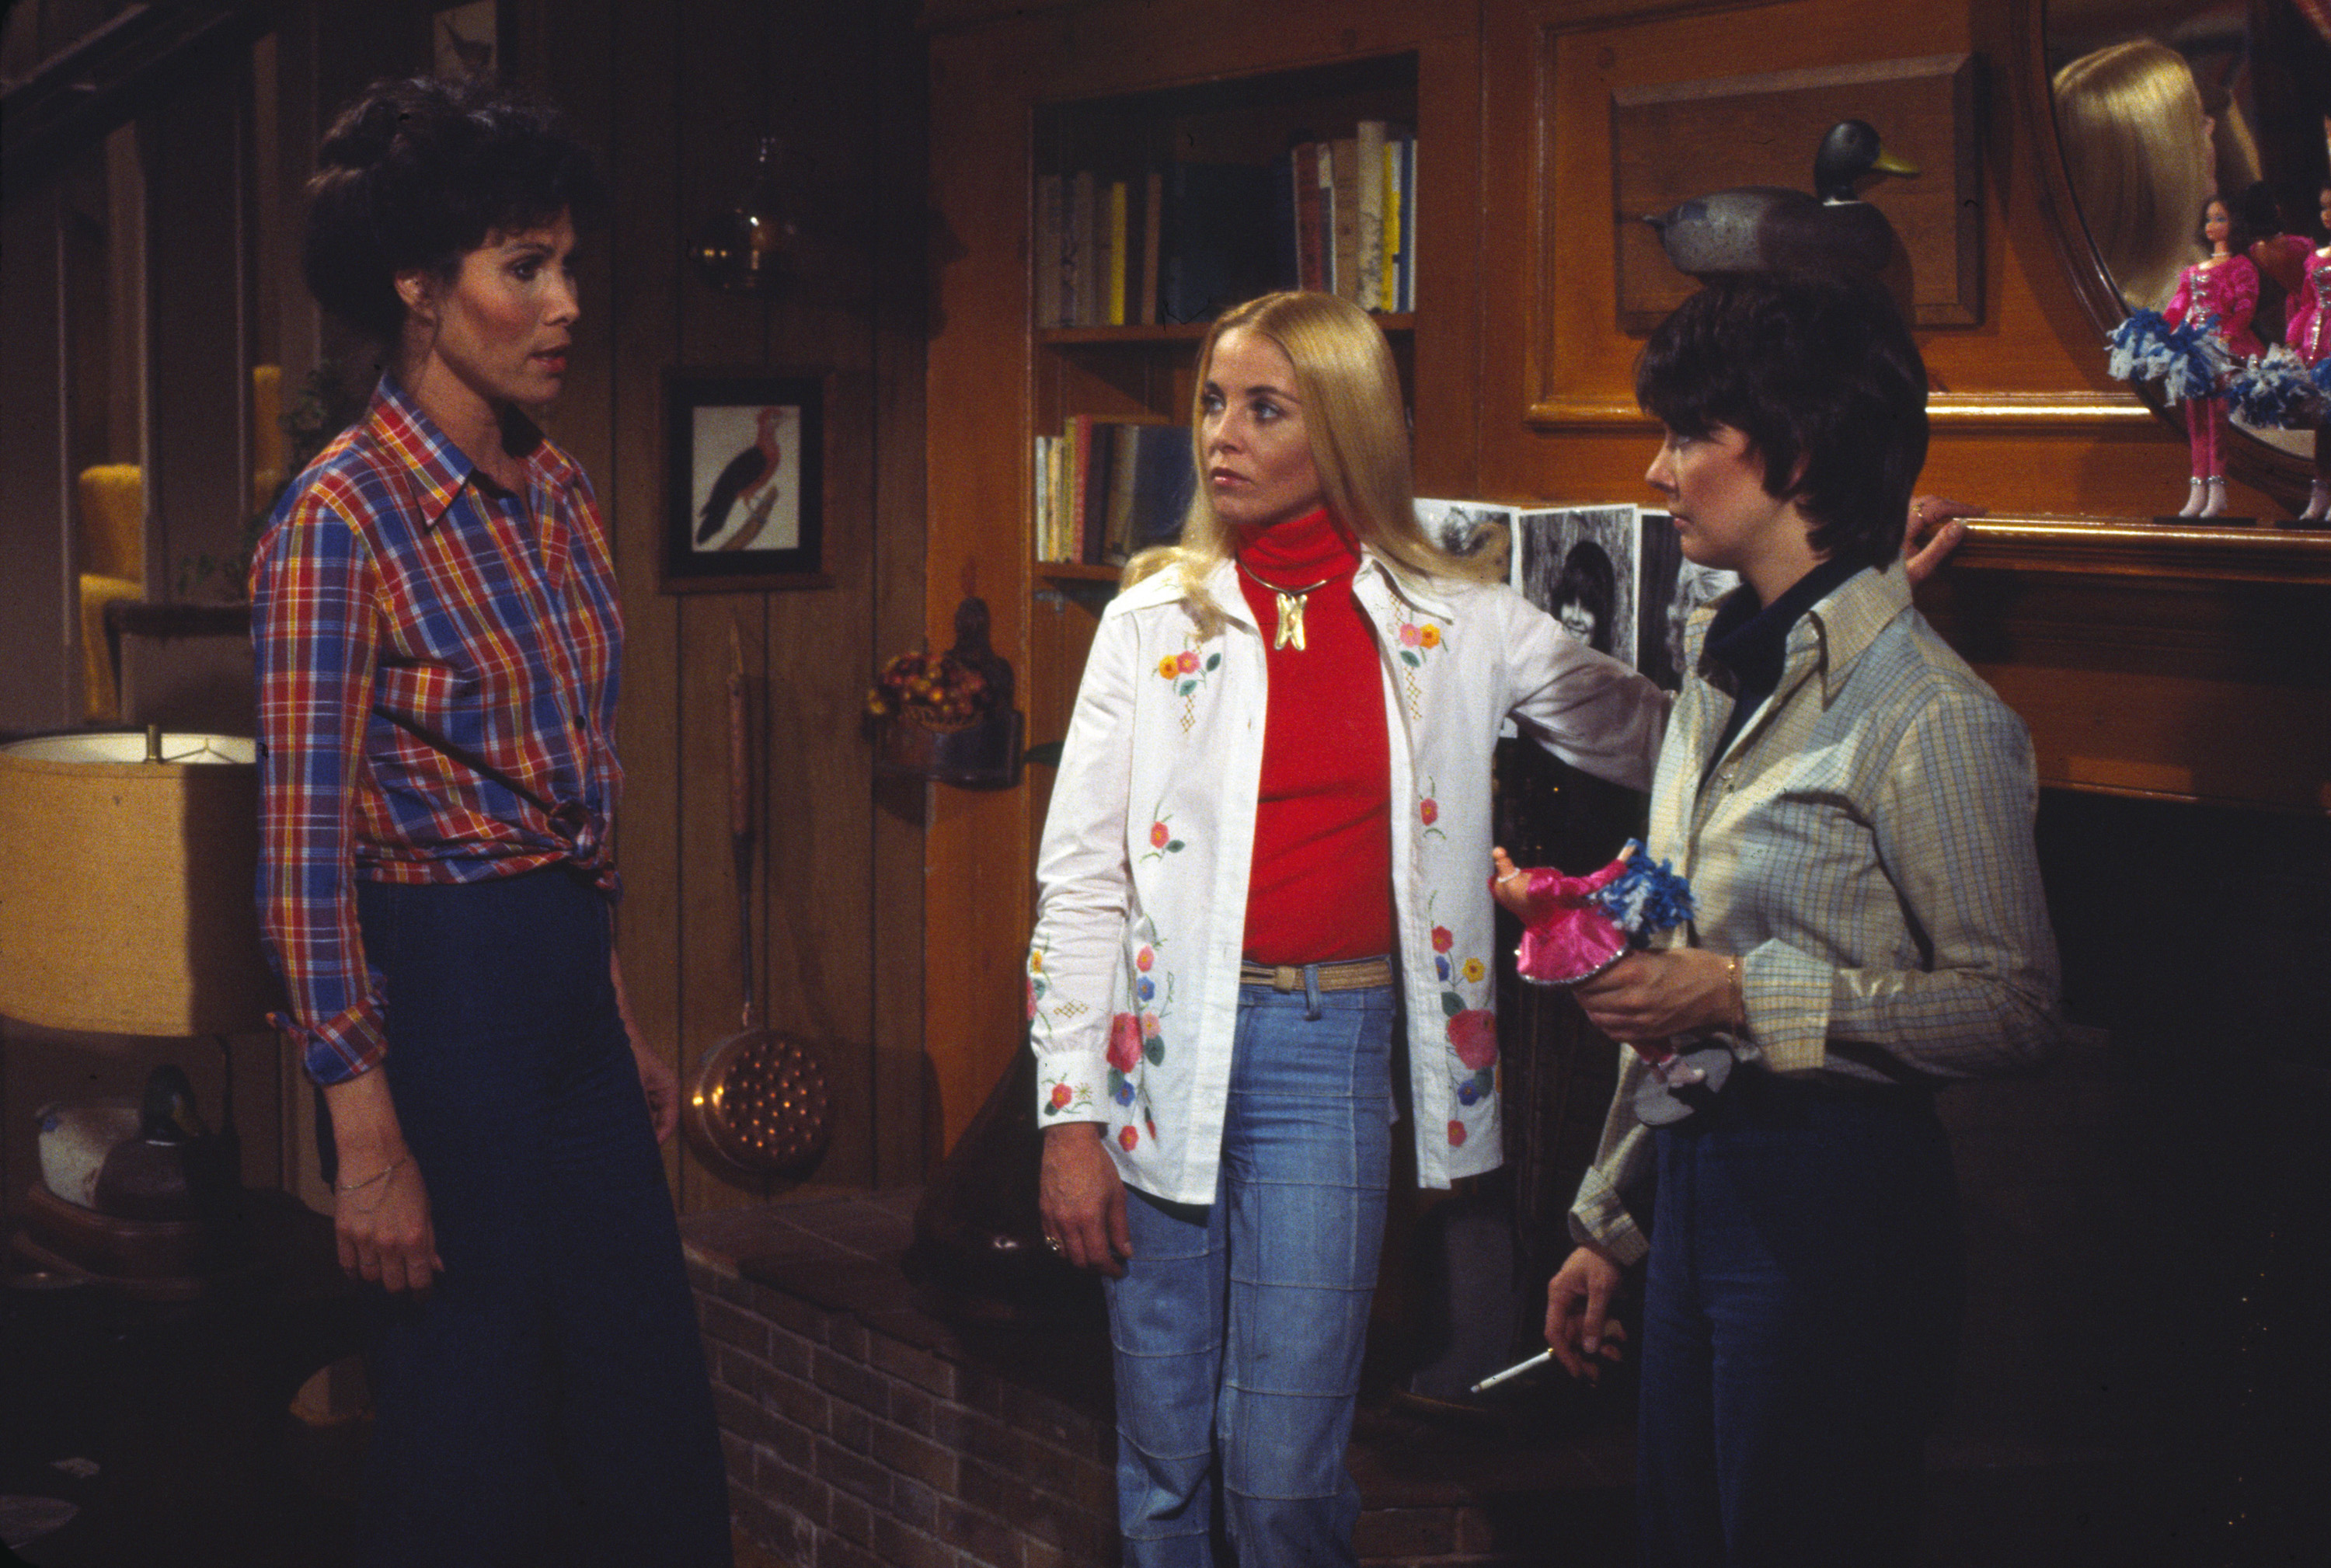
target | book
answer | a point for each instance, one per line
(1164, 480)
(1153, 213)
(1079, 290)
(1368, 205)
(1388, 278)
(1216, 247)
(1048, 242)
(1039, 504)
(1407, 300)
(1113, 250)
(1311, 217)
(1095, 454)
(1345, 233)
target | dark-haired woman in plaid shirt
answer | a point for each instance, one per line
(438, 643)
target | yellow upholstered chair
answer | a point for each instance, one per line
(113, 552)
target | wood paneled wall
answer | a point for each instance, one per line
(677, 97)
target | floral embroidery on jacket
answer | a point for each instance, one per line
(1414, 643)
(1185, 672)
(1472, 1032)
(1162, 841)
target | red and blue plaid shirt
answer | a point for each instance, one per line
(437, 663)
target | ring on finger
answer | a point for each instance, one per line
(1053, 1243)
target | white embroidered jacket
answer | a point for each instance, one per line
(1132, 975)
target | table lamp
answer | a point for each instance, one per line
(127, 867)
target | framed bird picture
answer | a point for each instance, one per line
(744, 481)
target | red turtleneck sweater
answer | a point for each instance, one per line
(1322, 881)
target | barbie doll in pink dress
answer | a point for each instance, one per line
(1576, 927)
(2220, 290)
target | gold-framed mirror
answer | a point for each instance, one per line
(2155, 106)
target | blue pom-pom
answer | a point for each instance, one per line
(1649, 896)
(2188, 359)
(2275, 392)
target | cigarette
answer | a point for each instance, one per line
(1515, 1371)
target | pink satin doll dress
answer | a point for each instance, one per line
(2223, 291)
(1568, 938)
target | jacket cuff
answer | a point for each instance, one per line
(1787, 996)
(1070, 1087)
(1599, 1217)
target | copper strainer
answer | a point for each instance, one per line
(757, 1104)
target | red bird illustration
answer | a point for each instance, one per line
(741, 480)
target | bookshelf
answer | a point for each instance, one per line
(1120, 93)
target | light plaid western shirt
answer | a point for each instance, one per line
(1864, 847)
(437, 664)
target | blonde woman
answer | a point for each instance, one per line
(1266, 851)
(2138, 148)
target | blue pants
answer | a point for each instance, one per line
(1239, 1327)
(1799, 1317)
(547, 1402)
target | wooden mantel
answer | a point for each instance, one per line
(2168, 659)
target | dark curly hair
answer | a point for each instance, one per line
(1815, 371)
(417, 173)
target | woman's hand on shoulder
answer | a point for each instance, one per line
(1649, 996)
(1082, 1200)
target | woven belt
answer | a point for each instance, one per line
(1358, 974)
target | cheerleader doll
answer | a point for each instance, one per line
(2289, 387)
(2310, 340)
(1576, 927)
(2217, 294)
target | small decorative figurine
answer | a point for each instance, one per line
(2289, 387)
(2193, 345)
(1576, 927)
(2310, 341)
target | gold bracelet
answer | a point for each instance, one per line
(1739, 997)
(375, 1180)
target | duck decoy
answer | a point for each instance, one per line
(1771, 228)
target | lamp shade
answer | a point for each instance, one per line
(126, 885)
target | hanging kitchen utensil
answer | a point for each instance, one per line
(757, 1105)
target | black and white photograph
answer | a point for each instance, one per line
(1577, 563)
(1469, 528)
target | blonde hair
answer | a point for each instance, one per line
(2130, 118)
(1358, 429)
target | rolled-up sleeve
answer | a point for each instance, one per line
(314, 590)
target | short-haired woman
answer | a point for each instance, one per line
(438, 641)
(1265, 849)
(1853, 807)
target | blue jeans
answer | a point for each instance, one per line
(1239, 1326)
(1799, 1317)
(547, 1402)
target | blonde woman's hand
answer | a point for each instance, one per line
(1082, 1200)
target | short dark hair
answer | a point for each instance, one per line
(417, 173)
(1821, 376)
